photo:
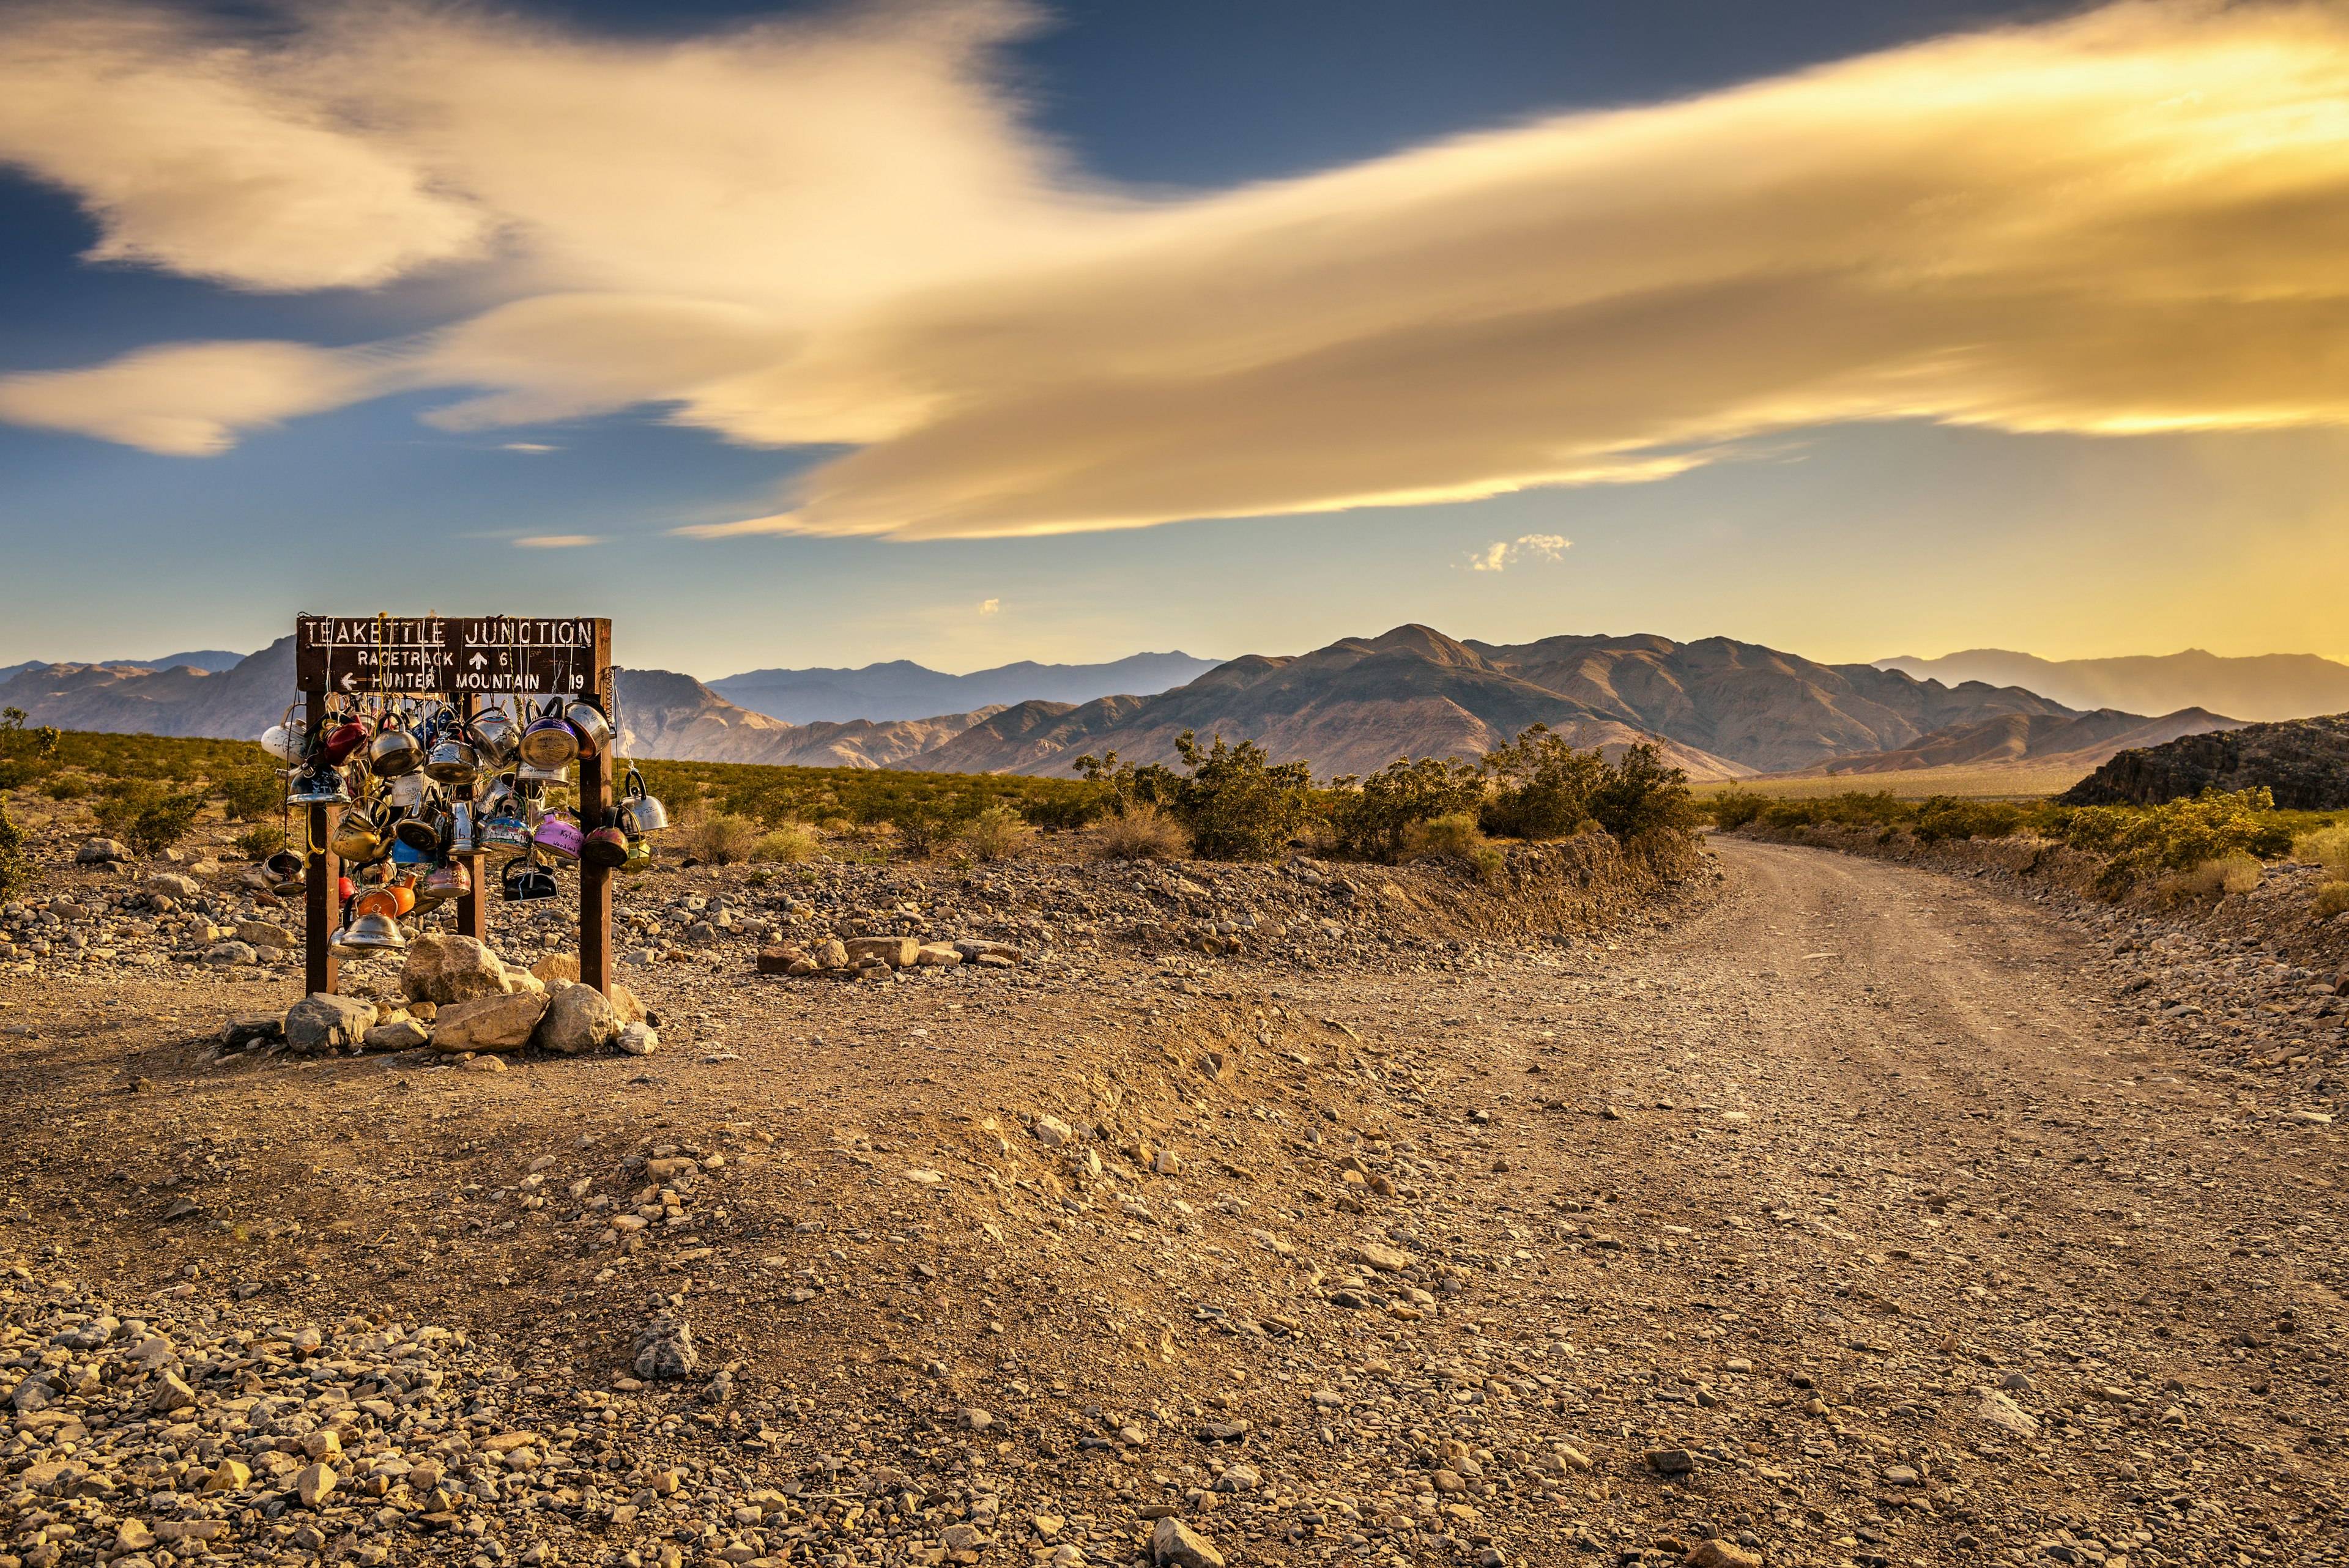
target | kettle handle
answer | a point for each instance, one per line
(634, 789)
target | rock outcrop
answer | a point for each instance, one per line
(2304, 761)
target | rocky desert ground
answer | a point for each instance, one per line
(1811, 1208)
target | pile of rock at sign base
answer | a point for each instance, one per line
(864, 957)
(461, 1000)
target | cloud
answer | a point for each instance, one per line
(189, 399)
(841, 233)
(535, 448)
(990, 606)
(1500, 554)
(557, 541)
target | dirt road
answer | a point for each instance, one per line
(1844, 1219)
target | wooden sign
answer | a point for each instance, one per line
(530, 656)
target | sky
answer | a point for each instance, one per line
(974, 332)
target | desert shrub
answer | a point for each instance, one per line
(1065, 813)
(2214, 878)
(995, 832)
(787, 845)
(2326, 847)
(1943, 817)
(836, 825)
(68, 787)
(922, 829)
(2141, 841)
(1543, 785)
(1638, 796)
(1235, 803)
(15, 871)
(1140, 832)
(252, 794)
(164, 822)
(2332, 899)
(760, 878)
(260, 842)
(1457, 837)
(1376, 817)
(26, 755)
(1490, 863)
(1733, 809)
(718, 838)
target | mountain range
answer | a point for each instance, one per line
(1720, 709)
(2045, 741)
(903, 689)
(2262, 687)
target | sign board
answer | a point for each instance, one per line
(559, 655)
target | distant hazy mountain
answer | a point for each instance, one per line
(2041, 740)
(211, 660)
(2263, 686)
(1721, 709)
(902, 689)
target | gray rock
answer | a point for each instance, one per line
(499, 1022)
(1176, 1542)
(100, 852)
(171, 884)
(578, 1020)
(261, 934)
(403, 1035)
(664, 1348)
(321, 1023)
(1239, 1478)
(445, 969)
(229, 954)
(639, 1039)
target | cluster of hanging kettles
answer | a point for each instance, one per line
(420, 788)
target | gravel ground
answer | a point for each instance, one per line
(1827, 1209)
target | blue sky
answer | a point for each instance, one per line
(1844, 524)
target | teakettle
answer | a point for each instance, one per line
(494, 735)
(452, 760)
(357, 838)
(640, 858)
(343, 741)
(607, 847)
(588, 723)
(549, 741)
(558, 836)
(318, 786)
(395, 751)
(639, 813)
(373, 932)
(525, 879)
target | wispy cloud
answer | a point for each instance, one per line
(532, 446)
(2120, 221)
(557, 541)
(990, 606)
(1500, 554)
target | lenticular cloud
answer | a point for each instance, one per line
(844, 233)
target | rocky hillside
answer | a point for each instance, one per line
(2268, 687)
(2305, 761)
(903, 689)
(2046, 740)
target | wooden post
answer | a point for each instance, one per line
(473, 908)
(595, 806)
(321, 908)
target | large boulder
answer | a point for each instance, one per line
(320, 1022)
(102, 852)
(579, 1020)
(624, 1001)
(556, 966)
(501, 1023)
(896, 952)
(445, 969)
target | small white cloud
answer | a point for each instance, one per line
(528, 447)
(1502, 554)
(557, 541)
(990, 606)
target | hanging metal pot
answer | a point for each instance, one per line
(426, 831)
(588, 723)
(464, 828)
(357, 838)
(407, 793)
(559, 836)
(531, 773)
(449, 881)
(285, 867)
(343, 741)
(525, 879)
(373, 932)
(494, 733)
(284, 742)
(318, 786)
(506, 830)
(639, 813)
(549, 741)
(409, 857)
(640, 858)
(606, 848)
(395, 752)
(451, 758)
